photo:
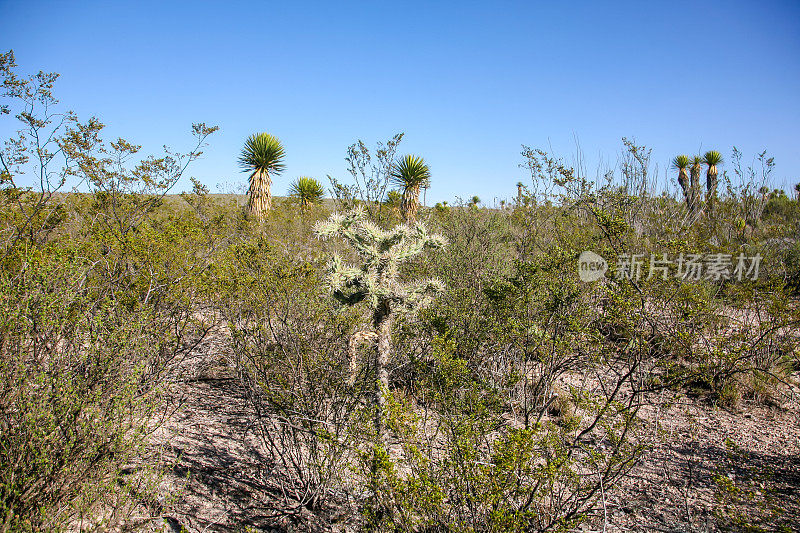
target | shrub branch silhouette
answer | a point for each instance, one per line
(376, 281)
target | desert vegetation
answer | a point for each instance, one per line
(391, 367)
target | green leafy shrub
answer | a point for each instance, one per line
(289, 349)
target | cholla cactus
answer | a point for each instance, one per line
(376, 281)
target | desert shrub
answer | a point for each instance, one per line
(97, 304)
(82, 363)
(371, 173)
(727, 335)
(89, 334)
(748, 353)
(289, 346)
(538, 324)
(480, 244)
(464, 467)
(792, 265)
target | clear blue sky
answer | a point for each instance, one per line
(467, 82)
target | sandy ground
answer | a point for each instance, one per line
(691, 478)
(706, 466)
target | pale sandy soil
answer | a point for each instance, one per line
(227, 483)
(676, 486)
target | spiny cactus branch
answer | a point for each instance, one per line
(377, 282)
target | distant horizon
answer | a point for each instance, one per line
(468, 84)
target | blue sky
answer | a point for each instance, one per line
(467, 82)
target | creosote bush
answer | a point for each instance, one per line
(97, 307)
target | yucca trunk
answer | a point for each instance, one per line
(519, 194)
(694, 206)
(711, 186)
(683, 181)
(260, 197)
(409, 204)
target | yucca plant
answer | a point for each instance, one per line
(681, 164)
(797, 190)
(307, 191)
(711, 159)
(410, 174)
(262, 156)
(520, 192)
